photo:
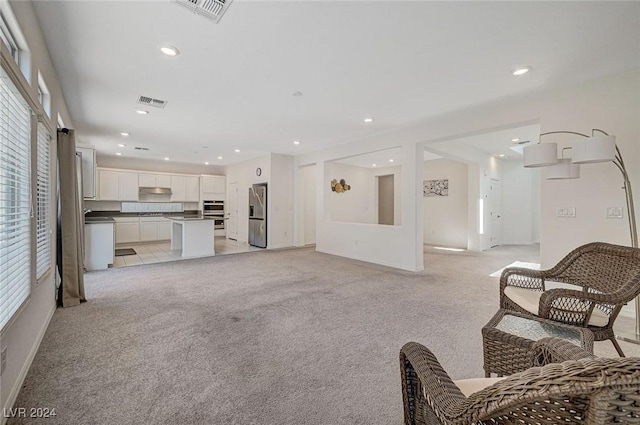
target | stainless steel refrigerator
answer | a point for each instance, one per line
(258, 215)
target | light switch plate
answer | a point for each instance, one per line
(614, 212)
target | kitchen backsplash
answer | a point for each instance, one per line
(141, 207)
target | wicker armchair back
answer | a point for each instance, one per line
(608, 277)
(582, 390)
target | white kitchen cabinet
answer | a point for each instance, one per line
(127, 229)
(88, 171)
(192, 189)
(98, 245)
(178, 188)
(154, 180)
(213, 188)
(164, 230)
(146, 180)
(148, 231)
(108, 185)
(127, 186)
(117, 186)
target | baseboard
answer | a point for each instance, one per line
(281, 245)
(370, 260)
(13, 395)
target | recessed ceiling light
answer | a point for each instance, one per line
(166, 159)
(169, 51)
(296, 94)
(502, 155)
(521, 70)
(296, 142)
(220, 157)
(368, 120)
(206, 163)
(515, 140)
(121, 145)
(236, 150)
(391, 160)
(124, 134)
(118, 153)
(141, 112)
(373, 165)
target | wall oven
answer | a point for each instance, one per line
(214, 209)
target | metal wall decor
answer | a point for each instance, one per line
(435, 187)
(339, 186)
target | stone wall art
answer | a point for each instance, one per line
(435, 187)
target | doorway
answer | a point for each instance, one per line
(495, 194)
(386, 201)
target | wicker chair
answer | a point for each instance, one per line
(607, 277)
(581, 390)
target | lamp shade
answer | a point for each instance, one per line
(540, 155)
(594, 149)
(564, 169)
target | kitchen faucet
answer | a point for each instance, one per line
(87, 211)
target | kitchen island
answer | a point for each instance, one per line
(193, 235)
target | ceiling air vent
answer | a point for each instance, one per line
(138, 148)
(212, 9)
(149, 101)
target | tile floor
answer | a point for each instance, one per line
(157, 252)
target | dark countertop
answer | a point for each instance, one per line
(111, 214)
(98, 220)
(190, 218)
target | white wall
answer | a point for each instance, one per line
(280, 197)
(446, 217)
(24, 332)
(356, 205)
(307, 197)
(520, 204)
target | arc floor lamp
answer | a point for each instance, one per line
(586, 150)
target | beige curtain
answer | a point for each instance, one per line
(71, 222)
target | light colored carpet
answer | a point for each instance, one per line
(270, 337)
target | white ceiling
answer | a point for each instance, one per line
(231, 86)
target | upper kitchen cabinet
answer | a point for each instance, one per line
(213, 188)
(117, 185)
(154, 180)
(185, 189)
(88, 155)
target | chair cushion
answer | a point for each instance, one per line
(470, 386)
(530, 300)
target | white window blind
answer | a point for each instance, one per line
(43, 203)
(15, 202)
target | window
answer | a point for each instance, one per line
(8, 39)
(44, 97)
(15, 203)
(43, 203)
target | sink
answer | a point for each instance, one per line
(99, 220)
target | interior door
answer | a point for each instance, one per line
(232, 212)
(496, 213)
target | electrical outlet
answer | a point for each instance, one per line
(3, 360)
(566, 212)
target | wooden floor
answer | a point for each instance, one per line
(158, 252)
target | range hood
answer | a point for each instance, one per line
(155, 191)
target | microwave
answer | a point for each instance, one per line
(215, 208)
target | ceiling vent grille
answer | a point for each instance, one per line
(212, 9)
(139, 148)
(149, 101)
